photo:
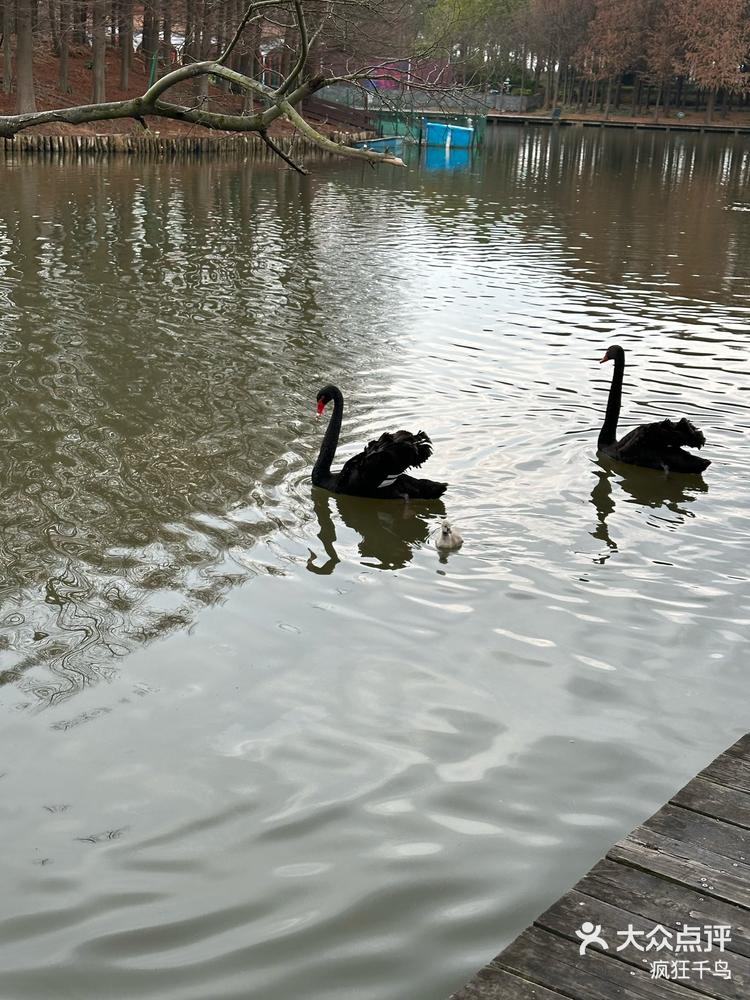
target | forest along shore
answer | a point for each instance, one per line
(49, 97)
(690, 119)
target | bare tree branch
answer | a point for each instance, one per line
(252, 8)
(335, 147)
(280, 152)
(304, 50)
(338, 16)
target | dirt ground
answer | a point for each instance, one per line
(50, 97)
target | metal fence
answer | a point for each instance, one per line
(461, 101)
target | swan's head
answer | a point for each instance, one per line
(613, 353)
(325, 395)
(445, 527)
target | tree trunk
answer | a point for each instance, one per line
(80, 17)
(710, 104)
(222, 35)
(166, 10)
(205, 50)
(99, 33)
(189, 43)
(658, 101)
(65, 30)
(7, 55)
(234, 20)
(549, 85)
(25, 97)
(608, 97)
(53, 27)
(150, 37)
(635, 97)
(567, 97)
(126, 42)
(555, 87)
(251, 62)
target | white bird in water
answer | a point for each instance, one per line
(448, 539)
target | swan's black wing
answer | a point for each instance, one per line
(383, 461)
(663, 435)
(660, 446)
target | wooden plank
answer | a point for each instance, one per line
(741, 748)
(554, 962)
(729, 770)
(647, 836)
(708, 879)
(667, 903)
(711, 799)
(567, 914)
(498, 984)
(705, 832)
(688, 865)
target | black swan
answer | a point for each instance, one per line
(654, 446)
(378, 471)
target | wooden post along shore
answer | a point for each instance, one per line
(664, 916)
(153, 145)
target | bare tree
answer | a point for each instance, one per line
(273, 102)
(7, 28)
(65, 33)
(25, 96)
(126, 42)
(98, 30)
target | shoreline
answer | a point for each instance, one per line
(643, 123)
(155, 146)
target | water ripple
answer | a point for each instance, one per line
(259, 738)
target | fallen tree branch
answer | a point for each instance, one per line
(336, 147)
(280, 152)
(283, 101)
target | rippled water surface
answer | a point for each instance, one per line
(258, 741)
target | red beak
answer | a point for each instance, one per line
(321, 406)
(605, 358)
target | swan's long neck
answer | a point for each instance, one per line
(608, 433)
(322, 467)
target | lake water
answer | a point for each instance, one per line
(258, 741)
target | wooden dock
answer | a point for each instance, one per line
(675, 881)
(504, 118)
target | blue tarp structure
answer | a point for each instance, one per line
(449, 136)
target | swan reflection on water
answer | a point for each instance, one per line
(388, 530)
(644, 487)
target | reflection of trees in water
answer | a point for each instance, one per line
(388, 530)
(163, 338)
(162, 342)
(620, 201)
(644, 487)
